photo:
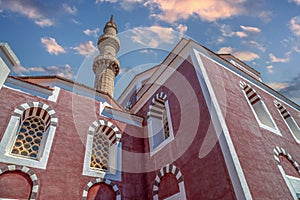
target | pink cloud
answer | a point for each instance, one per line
(51, 46)
(173, 10)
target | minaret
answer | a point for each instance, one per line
(106, 65)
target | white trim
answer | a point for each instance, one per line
(287, 182)
(230, 156)
(55, 94)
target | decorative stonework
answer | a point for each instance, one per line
(285, 114)
(112, 132)
(281, 151)
(101, 180)
(250, 92)
(38, 109)
(32, 175)
(157, 106)
(166, 169)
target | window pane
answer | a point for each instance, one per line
(262, 114)
(100, 152)
(294, 128)
(29, 138)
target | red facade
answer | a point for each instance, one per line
(219, 151)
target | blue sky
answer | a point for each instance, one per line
(60, 37)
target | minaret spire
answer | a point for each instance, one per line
(106, 65)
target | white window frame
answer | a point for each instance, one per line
(115, 154)
(285, 121)
(11, 133)
(150, 128)
(275, 129)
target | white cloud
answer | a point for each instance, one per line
(294, 25)
(242, 55)
(255, 45)
(93, 33)
(64, 71)
(274, 59)
(129, 4)
(51, 46)
(85, 49)
(225, 50)
(295, 1)
(182, 28)
(277, 85)
(44, 22)
(71, 10)
(251, 29)
(241, 34)
(27, 9)
(270, 69)
(265, 16)
(154, 36)
(110, 1)
(228, 32)
(246, 55)
(212, 10)
(20, 70)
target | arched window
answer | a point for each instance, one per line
(159, 123)
(169, 184)
(289, 120)
(103, 151)
(28, 135)
(291, 178)
(259, 108)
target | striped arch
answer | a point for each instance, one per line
(112, 132)
(282, 110)
(29, 172)
(157, 107)
(250, 92)
(101, 180)
(170, 168)
(280, 151)
(37, 109)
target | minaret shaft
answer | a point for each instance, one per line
(106, 65)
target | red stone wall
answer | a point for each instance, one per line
(63, 177)
(195, 150)
(254, 145)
